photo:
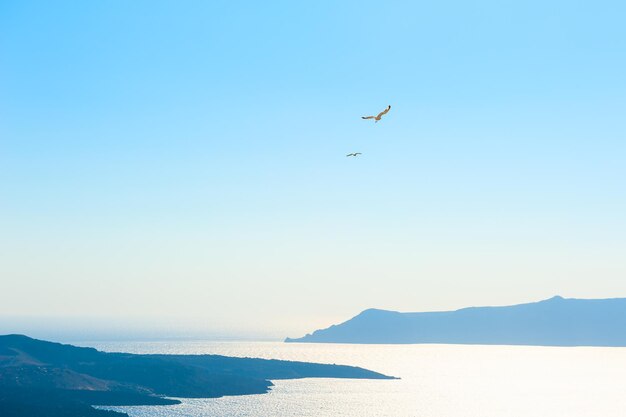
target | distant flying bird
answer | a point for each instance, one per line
(354, 154)
(379, 116)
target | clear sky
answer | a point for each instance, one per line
(182, 163)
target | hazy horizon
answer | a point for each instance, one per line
(180, 168)
(73, 329)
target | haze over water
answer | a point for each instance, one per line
(436, 381)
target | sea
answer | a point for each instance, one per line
(435, 381)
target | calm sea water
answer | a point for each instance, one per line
(437, 381)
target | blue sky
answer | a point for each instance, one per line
(185, 161)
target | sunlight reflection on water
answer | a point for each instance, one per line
(437, 381)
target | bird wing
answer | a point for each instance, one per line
(382, 113)
(368, 117)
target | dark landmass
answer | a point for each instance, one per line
(554, 322)
(270, 368)
(44, 379)
(33, 402)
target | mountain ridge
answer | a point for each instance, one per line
(556, 321)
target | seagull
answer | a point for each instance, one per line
(354, 154)
(379, 116)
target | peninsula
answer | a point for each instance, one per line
(557, 321)
(39, 378)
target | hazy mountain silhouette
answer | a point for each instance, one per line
(554, 322)
(39, 378)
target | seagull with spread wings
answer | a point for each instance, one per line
(379, 116)
(354, 154)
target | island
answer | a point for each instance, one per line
(556, 321)
(40, 378)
